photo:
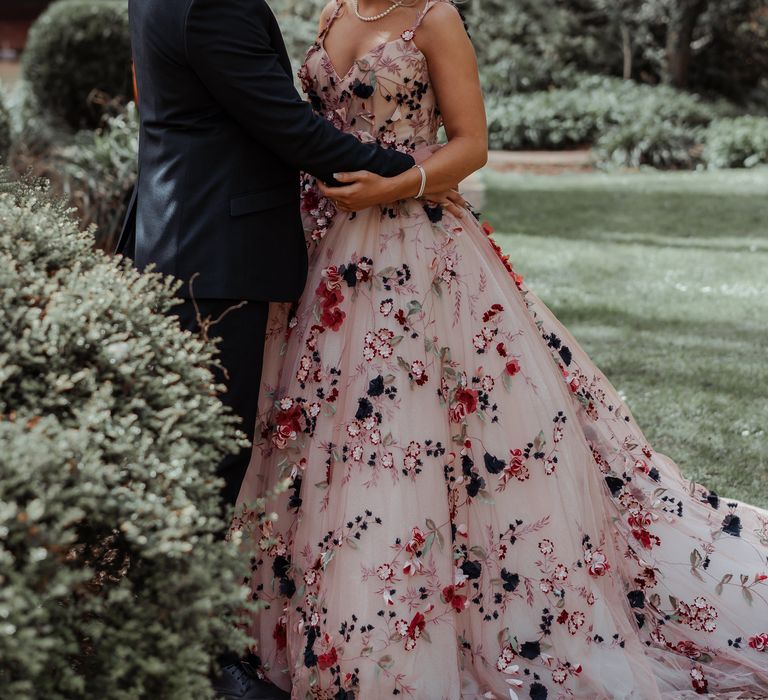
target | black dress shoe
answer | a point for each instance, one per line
(237, 681)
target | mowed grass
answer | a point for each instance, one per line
(663, 278)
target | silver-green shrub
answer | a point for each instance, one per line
(97, 171)
(299, 22)
(740, 142)
(114, 582)
(650, 141)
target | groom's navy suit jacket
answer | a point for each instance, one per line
(224, 135)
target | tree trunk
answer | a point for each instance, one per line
(682, 24)
(626, 46)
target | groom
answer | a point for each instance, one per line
(224, 135)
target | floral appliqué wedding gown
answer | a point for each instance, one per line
(472, 510)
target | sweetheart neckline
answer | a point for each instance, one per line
(321, 45)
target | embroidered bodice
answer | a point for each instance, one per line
(386, 95)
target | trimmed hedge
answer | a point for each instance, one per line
(741, 142)
(114, 583)
(579, 116)
(78, 59)
(629, 125)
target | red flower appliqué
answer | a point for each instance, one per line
(411, 631)
(325, 661)
(332, 317)
(465, 403)
(287, 425)
(455, 600)
(512, 367)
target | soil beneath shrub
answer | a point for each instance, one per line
(542, 162)
(9, 72)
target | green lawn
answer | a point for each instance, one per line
(663, 278)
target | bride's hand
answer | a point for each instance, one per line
(361, 190)
(451, 201)
(364, 189)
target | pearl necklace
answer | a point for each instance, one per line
(381, 15)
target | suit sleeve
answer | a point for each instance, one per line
(229, 48)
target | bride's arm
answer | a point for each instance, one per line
(453, 72)
(454, 76)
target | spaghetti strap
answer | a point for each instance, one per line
(331, 19)
(430, 4)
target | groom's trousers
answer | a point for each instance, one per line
(241, 350)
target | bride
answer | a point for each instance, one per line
(471, 510)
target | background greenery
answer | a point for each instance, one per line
(712, 47)
(661, 276)
(630, 124)
(69, 110)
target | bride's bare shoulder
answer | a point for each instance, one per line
(442, 11)
(442, 24)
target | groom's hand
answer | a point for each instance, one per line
(362, 190)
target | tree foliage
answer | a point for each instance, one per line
(710, 46)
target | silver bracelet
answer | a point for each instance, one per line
(423, 187)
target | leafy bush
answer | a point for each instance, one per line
(740, 142)
(581, 115)
(94, 169)
(547, 119)
(630, 125)
(77, 59)
(113, 582)
(649, 141)
(33, 134)
(97, 173)
(5, 130)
